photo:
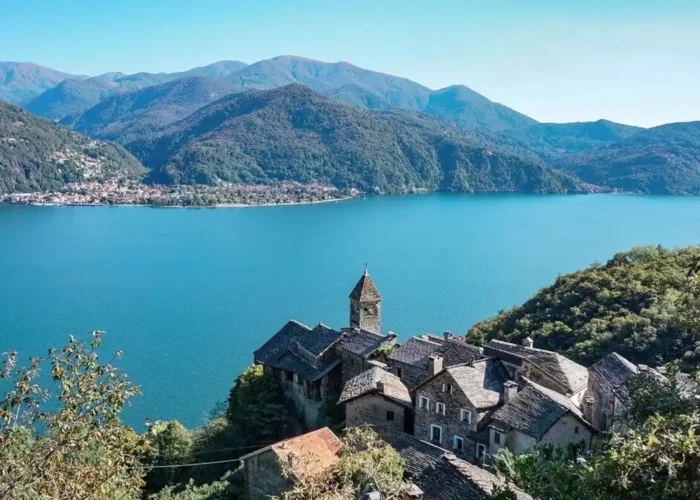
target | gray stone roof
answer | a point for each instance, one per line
(365, 290)
(534, 410)
(441, 475)
(572, 376)
(612, 373)
(283, 350)
(362, 342)
(482, 382)
(416, 351)
(376, 381)
(281, 341)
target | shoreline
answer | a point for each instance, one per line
(218, 205)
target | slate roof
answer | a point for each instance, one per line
(376, 381)
(441, 475)
(281, 351)
(534, 410)
(482, 382)
(362, 342)
(612, 372)
(320, 446)
(416, 351)
(572, 376)
(365, 290)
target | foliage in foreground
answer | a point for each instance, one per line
(658, 460)
(69, 443)
(641, 304)
(366, 463)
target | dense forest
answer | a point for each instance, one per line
(293, 133)
(37, 155)
(636, 304)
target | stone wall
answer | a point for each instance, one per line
(410, 375)
(600, 413)
(263, 477)
(352, 365)
(372, 410)
(567, 430)
(450, 422)
(516, 441)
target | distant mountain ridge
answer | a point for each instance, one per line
(294, 133)
(22, 81)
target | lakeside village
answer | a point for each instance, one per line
(446, 406)
(119, 192)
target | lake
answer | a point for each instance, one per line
(188, 294)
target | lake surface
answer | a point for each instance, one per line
(189, 294)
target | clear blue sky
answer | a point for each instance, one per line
(633, 61)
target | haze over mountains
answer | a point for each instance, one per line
(208, 124)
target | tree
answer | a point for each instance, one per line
(171, 444)
(366, 463)
(256, 407)
(217, 490)
(71, 443)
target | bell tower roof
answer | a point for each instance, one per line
(365, 290)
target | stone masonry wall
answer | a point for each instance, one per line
(410, 375)
(567, 430)
(372, 410)
(450, 423)
(263, 477)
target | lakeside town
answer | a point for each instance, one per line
(118, 192)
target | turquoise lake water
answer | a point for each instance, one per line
(188, 294)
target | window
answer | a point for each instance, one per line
(576, 429)
(289, 375)
(465, 416)
(497, 437)
(440, 408)
(480, 451)
(458, 444)
(423, 403)
(398, 372)
(447, 387)
(436, 434)
(390, 415)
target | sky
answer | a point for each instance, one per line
(630, 61)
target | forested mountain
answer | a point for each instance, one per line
(21, 81)
(632, 305)
(462, 105)
(293, 133)
(660, 160)
(126, 117)
(37, 155)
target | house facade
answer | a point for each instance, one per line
(379, 399)
(536, 415)
(453, 406)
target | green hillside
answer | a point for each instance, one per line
(632, 305)
(37, 155)
(293, 133)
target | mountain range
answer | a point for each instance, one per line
(177, 122)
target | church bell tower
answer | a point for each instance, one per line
(366, 305)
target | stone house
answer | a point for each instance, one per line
(356, 349)
(313, 363)
(536, 415)
(607, 396)
(453, 406)
(546, 368)
(306, 454)
(307, 365)
(410, 361)
(440, 475)
(377, 398)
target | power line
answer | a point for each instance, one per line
(194, 464)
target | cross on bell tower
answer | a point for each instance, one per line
(366, 305)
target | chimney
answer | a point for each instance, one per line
(528, 342)
(448, 336)
(380, 387)
(434, 364)
(510, 390)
